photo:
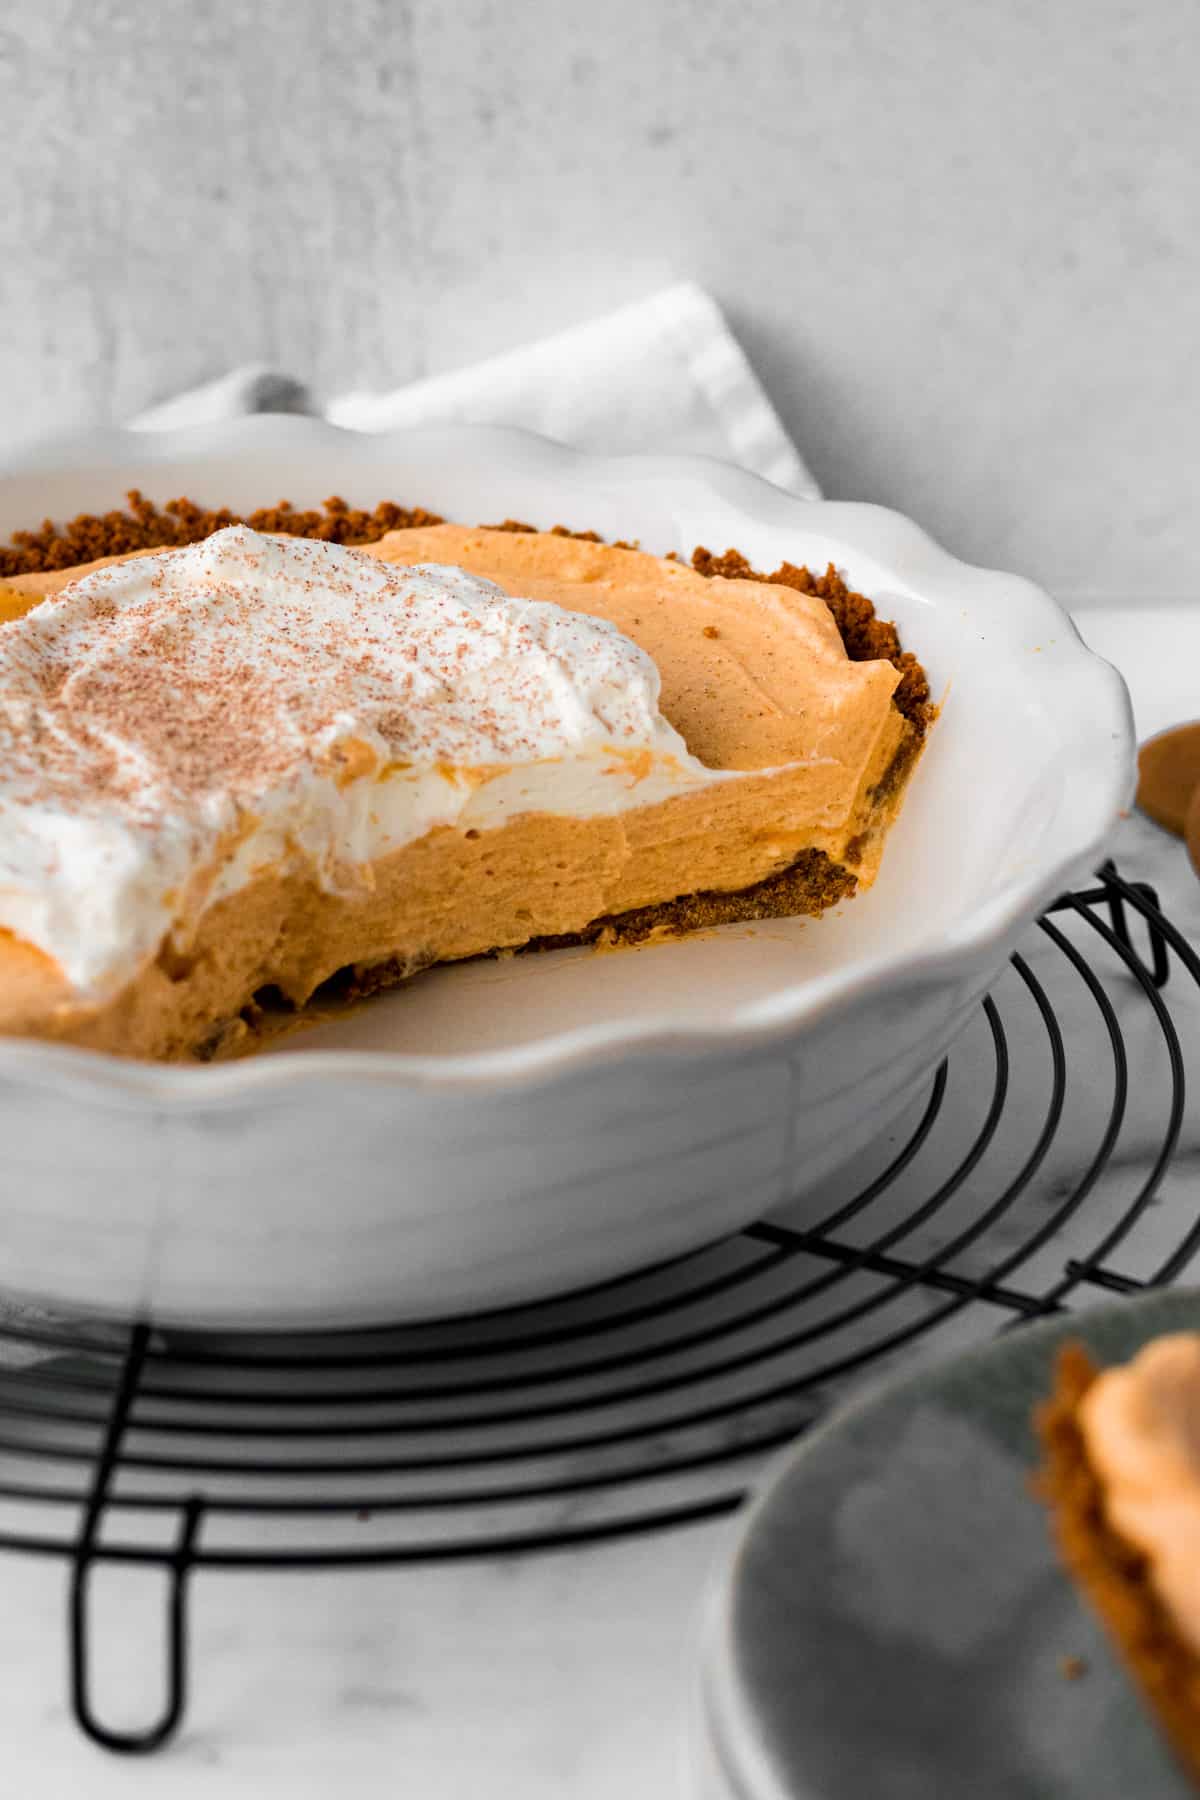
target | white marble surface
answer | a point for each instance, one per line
(544, 1677)
(958, 241)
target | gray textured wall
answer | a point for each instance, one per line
(960, 241)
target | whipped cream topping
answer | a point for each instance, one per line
(1141, 1426)
(173, 724)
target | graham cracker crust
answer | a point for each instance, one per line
(1112, 1572)
(809, 885)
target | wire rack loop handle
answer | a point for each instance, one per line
(1113, 893)
(87, 1552)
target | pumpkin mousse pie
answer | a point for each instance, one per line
(258, 762)
(1121, 1475)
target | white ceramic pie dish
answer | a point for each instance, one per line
(497, 1131)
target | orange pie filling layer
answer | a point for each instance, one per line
(258, 761)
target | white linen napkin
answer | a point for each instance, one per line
(665, 374)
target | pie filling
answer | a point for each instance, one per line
(265, 763)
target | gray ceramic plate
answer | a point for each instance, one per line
(894, 1624)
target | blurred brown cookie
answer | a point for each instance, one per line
(1193, 831)
(1169, 775)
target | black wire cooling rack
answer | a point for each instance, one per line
(649, 1401)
